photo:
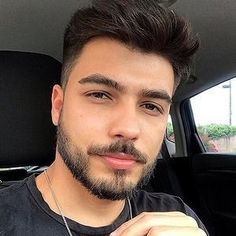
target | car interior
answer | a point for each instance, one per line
(30, 63)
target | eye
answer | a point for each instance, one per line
(98, 95)
(152, 109)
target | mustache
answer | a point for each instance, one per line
(119, 146)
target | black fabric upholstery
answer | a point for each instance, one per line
(27, 135)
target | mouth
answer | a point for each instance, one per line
(119, 161)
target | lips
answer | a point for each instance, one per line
(119, 161)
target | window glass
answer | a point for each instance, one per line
(170, 131)
(214, 112)
(170, 137)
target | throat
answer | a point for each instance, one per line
(84, 210)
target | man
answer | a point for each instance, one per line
(122, 63)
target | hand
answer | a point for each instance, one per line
(160, 224)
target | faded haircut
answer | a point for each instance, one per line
(140, 24)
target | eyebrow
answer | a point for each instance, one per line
(158, 94)
(102, 80)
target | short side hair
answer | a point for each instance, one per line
(140, 24)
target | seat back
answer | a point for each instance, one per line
(27, 133)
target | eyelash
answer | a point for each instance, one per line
(155, 108)
(96, 95)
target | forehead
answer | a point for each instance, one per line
(127, 66)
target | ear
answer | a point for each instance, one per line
(57, 103)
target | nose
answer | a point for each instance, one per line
(125, 124)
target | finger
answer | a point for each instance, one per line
(176, 231)
(142, 224)
(140, 216)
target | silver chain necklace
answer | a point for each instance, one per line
(60, 210)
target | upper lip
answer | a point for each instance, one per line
(120, 155)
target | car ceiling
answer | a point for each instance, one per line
(38, 26)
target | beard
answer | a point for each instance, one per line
(78, 163)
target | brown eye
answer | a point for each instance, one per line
(152, 109)
(98, 95)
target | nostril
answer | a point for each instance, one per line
(124, 138)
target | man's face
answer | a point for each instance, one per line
(112, 116)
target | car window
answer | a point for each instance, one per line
(170, 131)
(170, 137)
(214, 112)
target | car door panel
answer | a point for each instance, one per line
(215, 180)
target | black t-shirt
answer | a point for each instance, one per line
(23, 212)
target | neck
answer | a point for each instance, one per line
(76, 202)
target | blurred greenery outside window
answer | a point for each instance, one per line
(170, 137)
(170, 132)
(214, 112)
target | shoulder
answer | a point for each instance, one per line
(7, 191)
(14, 195)
(158, 201)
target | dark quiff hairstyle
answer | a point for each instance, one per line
(140, 24)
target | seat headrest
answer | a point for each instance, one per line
(27, 133)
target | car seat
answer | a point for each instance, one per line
(27, 133)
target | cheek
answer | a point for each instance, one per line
(85, 125)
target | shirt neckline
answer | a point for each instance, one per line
(73, 225)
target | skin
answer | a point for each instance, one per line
(94, 112)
